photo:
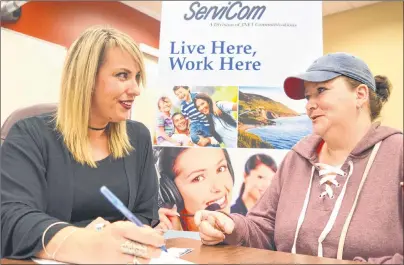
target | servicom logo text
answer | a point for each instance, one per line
(233, 10)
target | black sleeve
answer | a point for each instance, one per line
(23, 192)
(146, 208)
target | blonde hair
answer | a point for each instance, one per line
(82, 64)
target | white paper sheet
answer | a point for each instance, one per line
(178, 252)
(166, 258)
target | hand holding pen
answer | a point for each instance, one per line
(140, 239)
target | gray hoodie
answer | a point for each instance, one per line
(363, 221)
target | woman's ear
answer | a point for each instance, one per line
(362, 95)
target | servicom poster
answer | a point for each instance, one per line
(223, 121)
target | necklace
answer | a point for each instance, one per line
(97, 129)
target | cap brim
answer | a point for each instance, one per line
(294, 85)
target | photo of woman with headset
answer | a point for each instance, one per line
(191, 179)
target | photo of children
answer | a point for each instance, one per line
(171, 129)
(210, 113)
(269, 119)
(191, 179)
(165, 125)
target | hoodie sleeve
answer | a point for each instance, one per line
(256, 229)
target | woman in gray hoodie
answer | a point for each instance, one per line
(337, 193)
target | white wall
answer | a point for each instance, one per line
(374, 33)
(30, 71)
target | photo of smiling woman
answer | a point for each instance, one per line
(259, 170)
(223, 124)
(191, 179)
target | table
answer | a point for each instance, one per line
(231, 255)
(225, 254)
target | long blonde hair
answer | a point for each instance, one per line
(83, 61)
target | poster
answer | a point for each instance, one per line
(223, 121)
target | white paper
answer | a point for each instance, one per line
(178, 252)
(166, 258)
(172, 257)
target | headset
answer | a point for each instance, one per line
(168, 191)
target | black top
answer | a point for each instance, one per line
(88, 202)
(39, 184)
(239, 207)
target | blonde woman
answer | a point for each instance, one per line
(53, 165)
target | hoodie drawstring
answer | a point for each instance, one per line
(330, 173)
(303, 212)
(334, 213)
(348, 219)
(338, 203)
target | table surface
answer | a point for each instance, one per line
(231, 255)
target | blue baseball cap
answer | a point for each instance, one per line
(329, 67)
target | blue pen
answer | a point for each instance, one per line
(118, 204)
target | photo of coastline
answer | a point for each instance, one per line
(269, 119)
(204, 116)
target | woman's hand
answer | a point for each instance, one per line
(98, 224)
(119, 242)
(169, 219)
(130, 241)
(203, 141)
(216, 110)
(213, 226)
